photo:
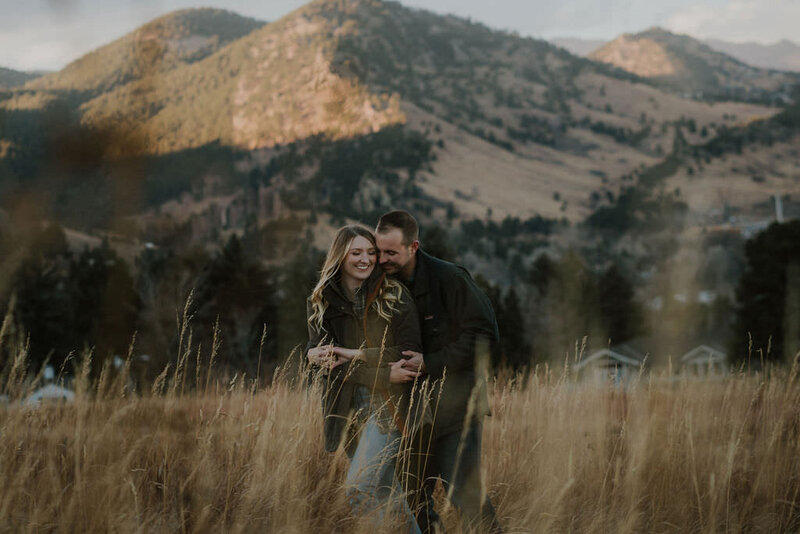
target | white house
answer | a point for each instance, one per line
(49, 393)
(705, 361)
(617, 364)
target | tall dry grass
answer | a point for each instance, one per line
(226, 456)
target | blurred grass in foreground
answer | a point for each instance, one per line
(226, 455)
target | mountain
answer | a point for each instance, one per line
(168, 42)
(509, 151)
(684, 64)
(783, 55)
(346, 108)
(578, 46)
(13, 78)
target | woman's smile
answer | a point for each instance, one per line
(359, 262)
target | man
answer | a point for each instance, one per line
(458, 325)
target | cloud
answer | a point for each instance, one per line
(46, 46)
(764, 21)
(52, 33)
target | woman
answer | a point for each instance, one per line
(359, 322)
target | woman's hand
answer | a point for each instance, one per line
(399, 374)
(348, 354)
(322, 355)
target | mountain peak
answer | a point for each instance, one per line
(174, 39)
(684, 63)
(638, 54)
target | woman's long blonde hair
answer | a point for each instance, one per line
(388, 294)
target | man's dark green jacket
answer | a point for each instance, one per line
(458, 328)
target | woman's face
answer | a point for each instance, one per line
(359, 261)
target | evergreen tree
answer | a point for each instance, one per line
(298, 278)
(236, 289)
(43, 301)
(768, 295)
(495, 298)
(166, 277)
(105, 306)
(618, 312)
(516, 349)
(435, 242)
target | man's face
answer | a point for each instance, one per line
(394, 256)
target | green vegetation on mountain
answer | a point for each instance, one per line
(768, 314)
(778, 128)
(13, 78)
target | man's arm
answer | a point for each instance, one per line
(376, 377)
(474, 320)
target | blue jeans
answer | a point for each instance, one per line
(371, 483)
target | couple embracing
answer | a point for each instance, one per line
(400, 340)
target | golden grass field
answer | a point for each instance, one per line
(663, 456)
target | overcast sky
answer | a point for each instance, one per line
(48, 34)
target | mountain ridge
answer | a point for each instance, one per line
(163, 44)
(517, 126)
(14, 78)
(683, 63)
(781, 55)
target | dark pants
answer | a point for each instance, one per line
(458, 464)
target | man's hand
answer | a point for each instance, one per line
(399, 374)
(414, 361)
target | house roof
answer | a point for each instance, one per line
(703, 352)
(620, 354)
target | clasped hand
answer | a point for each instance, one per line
(325, 356)
(331, 356)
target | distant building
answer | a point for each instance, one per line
(617, 364)
(49, 393)
(706, 361)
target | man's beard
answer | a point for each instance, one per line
(391, 267)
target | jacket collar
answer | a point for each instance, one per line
(335, 294)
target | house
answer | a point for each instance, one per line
(49, 393)
(617, 364)
(705, 360)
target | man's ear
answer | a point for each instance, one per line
(414, 246)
